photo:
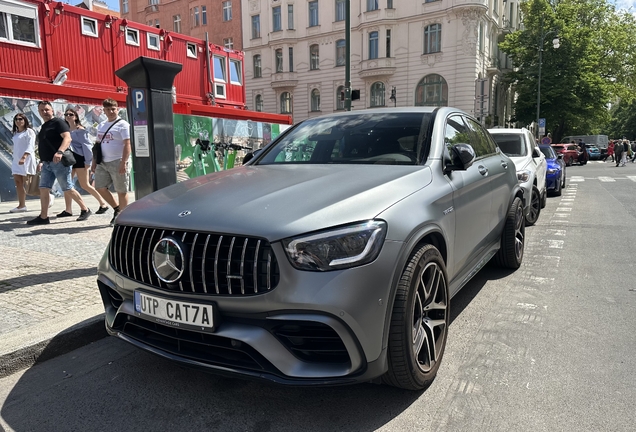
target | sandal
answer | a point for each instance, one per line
(64, 214)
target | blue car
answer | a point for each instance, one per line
(593, 151)
(555, 174)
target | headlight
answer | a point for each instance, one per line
(552, 170)
(337, 248)
(523, 176)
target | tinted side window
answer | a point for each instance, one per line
(456, 132)
(483, 143)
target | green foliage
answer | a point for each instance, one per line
(593, 66)
(623, 122)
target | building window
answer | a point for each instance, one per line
(481, 37)
(389, 4)
(124, 6)
(227, 11)
(277, 24)
(154, 5)
(153, 41)
(196, 16)
(377, 94)
(313, 13)
(285, 103)
(373, 45)
(257, 66)
(432, 90)
(315, 100)
(219, 69)
(388, 43)
(204, 15)
(314, 57)
(176, 23)
(341, 50)
(228, 43)
(191, 50)
(157, 24)
(290, 17)
(132, 37)
(340, 98)
(236, 72)
(340, 10)
(432, 38)
(258, 103)
(279, 60)
(372, 5)
(20, 25)
(291, 59)
(89, 27)
(256, 26)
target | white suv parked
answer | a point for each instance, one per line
(520, 146)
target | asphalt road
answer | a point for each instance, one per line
(549, 347)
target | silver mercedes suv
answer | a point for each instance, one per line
(330, 258)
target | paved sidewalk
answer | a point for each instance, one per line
(49, 301)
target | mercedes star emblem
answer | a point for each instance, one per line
(168, 260)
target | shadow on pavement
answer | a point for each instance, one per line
(27, 280)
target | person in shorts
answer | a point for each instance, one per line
(114, 136)
(53, 139)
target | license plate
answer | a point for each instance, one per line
(175, 313)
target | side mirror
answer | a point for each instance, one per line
(250, 155)
(462, 157)
(536, 153)
(560, 156)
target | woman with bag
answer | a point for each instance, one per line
(82, 149)
(24, 164)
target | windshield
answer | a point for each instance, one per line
(510, 144)
(378, 138)
(548, 152)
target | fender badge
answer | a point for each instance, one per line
(185, 213)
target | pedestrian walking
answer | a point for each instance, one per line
(626, 150)
(82, 149)
(618, 151)
(24, 163)
(633, 154)
(113, 151)
(610, 150)
(53, 139)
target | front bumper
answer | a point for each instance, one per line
(312, 329)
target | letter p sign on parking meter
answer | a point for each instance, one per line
(140, 123)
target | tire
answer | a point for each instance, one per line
(563, 177)
(558, 186)
(544, 198)
(535, 207)
(510, 253)
(419, 322)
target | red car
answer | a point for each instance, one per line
(570, 152)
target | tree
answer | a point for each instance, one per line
(593, 66)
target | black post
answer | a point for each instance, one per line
(150, 113)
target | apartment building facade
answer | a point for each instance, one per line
(441, 53)
(221, 19)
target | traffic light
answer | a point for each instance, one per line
(355, 95)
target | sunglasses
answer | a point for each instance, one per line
(69, 115)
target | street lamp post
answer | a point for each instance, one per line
(556, 43)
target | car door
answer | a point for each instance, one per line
(538, 158)
(498, 165)
(472, 196)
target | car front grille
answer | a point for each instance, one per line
(215, 264)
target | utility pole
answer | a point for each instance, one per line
(347, 86)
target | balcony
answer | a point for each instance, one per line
(284, 79)
(384, 66)
(492, 66)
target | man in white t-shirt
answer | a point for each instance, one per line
(114, 135)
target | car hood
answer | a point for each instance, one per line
(274, 201)
(520, 162)
(552, 164)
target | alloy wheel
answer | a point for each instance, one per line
(430, 309)
(519, 233)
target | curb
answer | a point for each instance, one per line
(76, 336)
